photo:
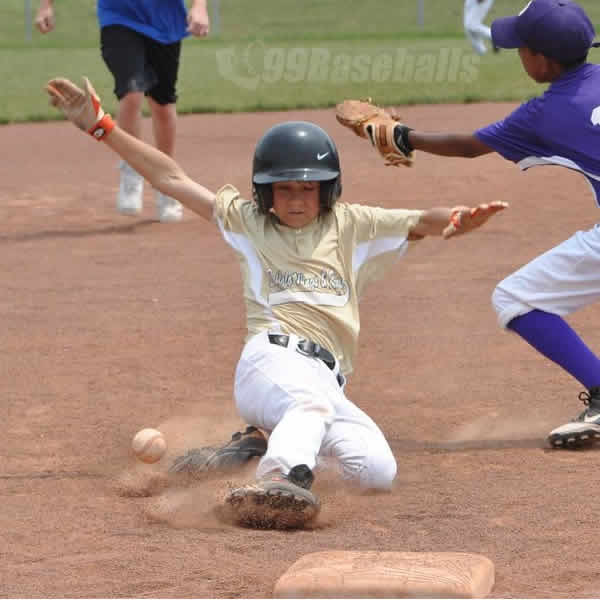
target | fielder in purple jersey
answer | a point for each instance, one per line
(561, 127)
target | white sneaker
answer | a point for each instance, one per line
(167, 208)
(131, 190)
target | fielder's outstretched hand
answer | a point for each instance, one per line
(465, 219)
(81, 107)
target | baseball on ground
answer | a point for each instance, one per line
(149, 445)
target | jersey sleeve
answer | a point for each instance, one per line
(232, 213)
(379, 238)
(514, 137)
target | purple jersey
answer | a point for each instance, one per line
(561, 127)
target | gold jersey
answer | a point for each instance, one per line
(309, 281)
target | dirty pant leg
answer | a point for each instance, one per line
(289, 395)
(360, 448)
(300, 402)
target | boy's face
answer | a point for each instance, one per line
(539, 67)
(296, 203)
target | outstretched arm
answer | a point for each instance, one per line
(162, 172)
(445, 144)
(82, 107)
(397, 142)
(450, 222)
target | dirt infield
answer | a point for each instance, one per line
(111, 324)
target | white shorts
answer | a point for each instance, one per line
(560, 281)
(300, 401)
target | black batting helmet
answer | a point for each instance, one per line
(296, 151)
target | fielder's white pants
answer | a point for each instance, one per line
(560, 281)
(299, 400)
(473, 16)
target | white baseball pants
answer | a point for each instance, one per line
(473, 16)
(560, 281)
(299, 400)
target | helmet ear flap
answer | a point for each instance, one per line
(263, 196)
(337, 189)
(329, 193)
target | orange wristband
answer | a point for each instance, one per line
(454, 218)
(102, 128)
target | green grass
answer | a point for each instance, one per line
(266, 56)
(287, 75)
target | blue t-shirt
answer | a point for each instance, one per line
(162, 20)
(560, 127)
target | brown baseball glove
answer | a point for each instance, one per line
(382, 128)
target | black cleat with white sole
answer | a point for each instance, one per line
(277, 501)
(582, 431)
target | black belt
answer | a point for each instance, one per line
(305, 347)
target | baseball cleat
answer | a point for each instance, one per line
(131, 190)
(582, 431)
(238, 451)
(277, 501)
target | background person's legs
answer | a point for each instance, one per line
(164, 125)
(142, 66)
(131, 183)
(130, 113)
(477, 33)
(164, 60)
(124, 53)
(164, 128)
(477, 42)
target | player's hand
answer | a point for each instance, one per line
(81, 107)
(464, 219)
(198, 23)
(44, 19)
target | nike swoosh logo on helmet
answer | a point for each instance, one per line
(322, 156)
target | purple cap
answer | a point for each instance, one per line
(559, 29)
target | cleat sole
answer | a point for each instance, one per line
(270, 509)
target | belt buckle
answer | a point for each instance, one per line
(314, 350)
(307, 348)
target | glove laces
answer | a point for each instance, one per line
(588, 398)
